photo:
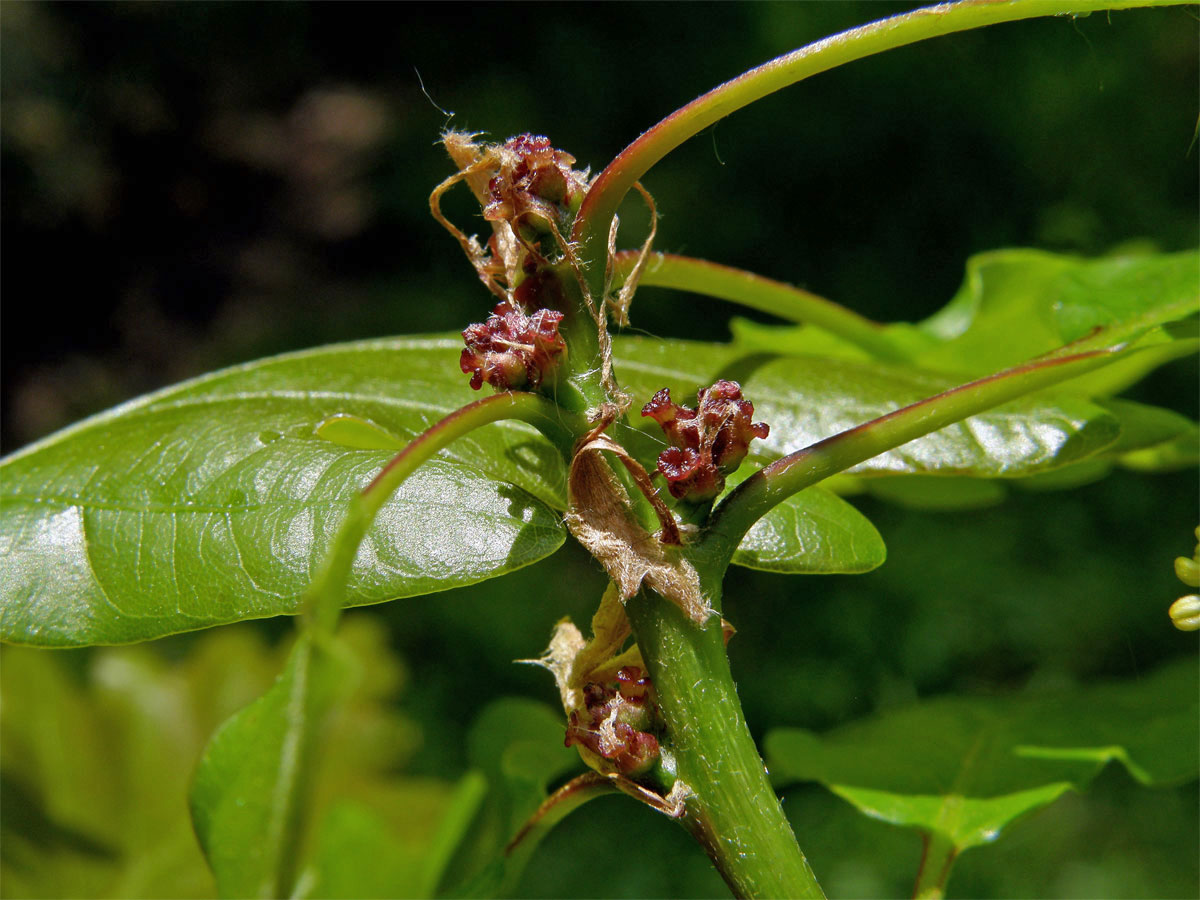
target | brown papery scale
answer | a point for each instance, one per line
(513, 351)
(707, 443)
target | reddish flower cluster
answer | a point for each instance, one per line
(708, 443)
(618, 721)
(511, 350)
(534, 178)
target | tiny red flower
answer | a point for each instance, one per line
(708, 442)
(617, 722)
(511, 350)
(534, 178)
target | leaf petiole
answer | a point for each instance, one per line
(937, 859)
(700, 276)
(759, 493)
(323, 600)
(631, 164)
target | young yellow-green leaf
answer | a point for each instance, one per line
(1017, 304)
(1126, 294)
(361, 850)
(517, 745)
(250, 799)
(964, 769)
(98, 753)
(371, 833)
(215, 500)
(96, 760)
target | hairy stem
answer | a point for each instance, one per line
(937, 859)
(733, 811)
(324, 598)
(611, 185)
(773, 484)
(764, 294)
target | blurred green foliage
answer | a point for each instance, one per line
(192, 185)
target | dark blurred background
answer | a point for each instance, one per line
(191, 185)
(187, 186)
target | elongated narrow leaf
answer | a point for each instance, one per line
(967, 768)
(215, 500)
(250, 797)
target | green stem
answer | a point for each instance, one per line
(936, 862)
(773, 484)
(733, 811)
(324, 598)
(582, 371)
(764, 294)
(611, 185)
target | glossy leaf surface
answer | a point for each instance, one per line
(807, 398)
(813, 532)
(967, 768)
(214, 501)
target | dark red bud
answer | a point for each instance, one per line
(616, 723)
(535, 181)
(511, 351)
(708, 443)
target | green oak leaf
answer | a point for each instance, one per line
(215, 500)
(1126, 294)
(965, 768)
(1017, 304)
(812, 532)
